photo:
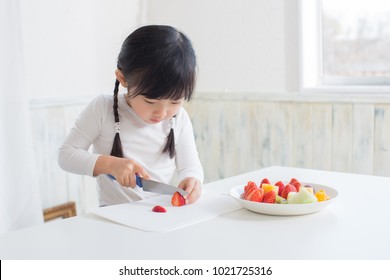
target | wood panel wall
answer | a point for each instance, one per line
(239, 136)
(236, 135)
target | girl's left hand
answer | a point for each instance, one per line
(193, 187)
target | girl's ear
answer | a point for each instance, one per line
(121, 78)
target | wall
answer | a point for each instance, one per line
(71, 47)
(235, 136)
(51, 122)
(242, 46)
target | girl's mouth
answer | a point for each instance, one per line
(155, 120)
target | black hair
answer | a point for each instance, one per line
(158, 62)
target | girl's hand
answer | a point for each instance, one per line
(193, 187)
(124, 170)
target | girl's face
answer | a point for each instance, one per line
(154, 110)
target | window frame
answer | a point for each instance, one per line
(311, 76)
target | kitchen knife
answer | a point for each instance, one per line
(154, 186)
(157, 187)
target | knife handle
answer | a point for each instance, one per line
(110, 176)
(137, 179)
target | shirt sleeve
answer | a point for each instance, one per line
(73, 155)
(187, 158)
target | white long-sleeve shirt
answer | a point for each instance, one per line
(141, 142)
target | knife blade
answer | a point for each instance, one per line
(154, 186)
(158, 187)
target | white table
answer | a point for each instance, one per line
(355, 226)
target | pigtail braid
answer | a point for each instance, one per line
(117, 150)
(170, 145)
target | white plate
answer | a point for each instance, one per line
(285, 209)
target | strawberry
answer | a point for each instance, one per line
(256, 195)
(293, 180)
(178, 199)
(295, 183)
(281, 187)
(269, 197)
(159, 209)
(288, 188)
(249, 186)
(249, 191)
(264, 181)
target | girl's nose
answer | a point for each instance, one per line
(160, 112)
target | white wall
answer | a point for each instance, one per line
(71, 46)
(242, 46)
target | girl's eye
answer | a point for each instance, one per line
(149, 101)
(177, 102)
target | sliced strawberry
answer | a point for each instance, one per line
(288, 188)
(256, 195)
(293, 180)
(269, 197)
(178, 199)
(264, 181)
(250, 185)
(249, 191)
(159, 209)
(281, 187)
(296, 184)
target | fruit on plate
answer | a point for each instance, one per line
(159, 209)
(280, 200)
(178, 199)
(292, 193)
(301, 197)
(295, 183)
(249, 185)
(269, 187)
(310, 188)
(281, 187)
(248, 188)
(256, 195)
(287, 189)
(321, 195)
(264, 181)
(269, 197)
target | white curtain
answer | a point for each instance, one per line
(20, 205)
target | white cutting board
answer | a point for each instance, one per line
(139, 214)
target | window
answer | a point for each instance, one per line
(345, 43)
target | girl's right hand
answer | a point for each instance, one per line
(124, 170)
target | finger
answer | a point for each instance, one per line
(195, 192)
(140, 171)
(132, 181)
(189, 186)
(122, 182)
(184, 186)
(126, 182)
(192, 197)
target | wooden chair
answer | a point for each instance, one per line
(63, 211)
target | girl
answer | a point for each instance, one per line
(144, 131)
